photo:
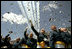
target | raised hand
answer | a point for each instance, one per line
(26, 28)
(10, 32)
(31, 22)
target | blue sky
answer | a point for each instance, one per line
(61, 19)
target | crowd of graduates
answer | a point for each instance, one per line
(57, 38)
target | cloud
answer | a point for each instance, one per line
(46, 8)
(52, 4)
(14, 18)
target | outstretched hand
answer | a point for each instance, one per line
(31, 22)
(10, 32)
(26, 28)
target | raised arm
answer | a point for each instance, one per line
(34, 29)
(7, 35)
(25, 34)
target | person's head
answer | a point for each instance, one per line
(53, 27)
(18, 39)
(42, 44)
(43, 31)
(63, 29)
(27, 34)
(11, 42)
(31, 35)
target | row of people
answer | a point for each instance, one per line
(57, 38)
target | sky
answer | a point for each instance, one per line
(51, 13)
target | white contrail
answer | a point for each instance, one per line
(21, 5)
(33, 11)
(30, 9)
(38, 16)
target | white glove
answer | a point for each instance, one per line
(45, 39)
(4, 47)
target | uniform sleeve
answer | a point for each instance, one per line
(51, 42)
(46, 36)
(6, 37)
(35, 30)
(68, 37)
